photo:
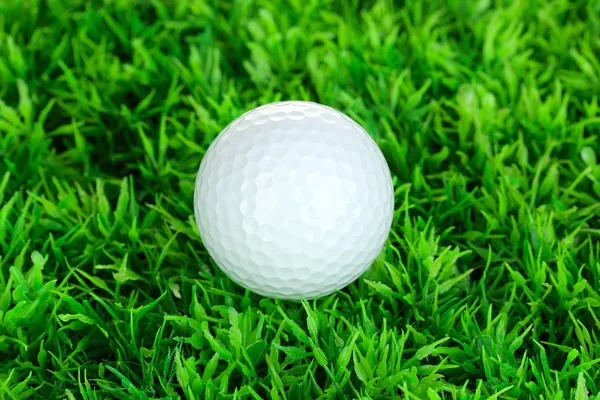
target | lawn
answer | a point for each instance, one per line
(487, 113)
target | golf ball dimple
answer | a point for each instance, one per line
(293, 200)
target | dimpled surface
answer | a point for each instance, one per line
(293, 200)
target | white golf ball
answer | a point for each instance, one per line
(294, 200)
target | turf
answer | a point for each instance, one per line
(487, 112)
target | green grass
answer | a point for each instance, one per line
(487, 112)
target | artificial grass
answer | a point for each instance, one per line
(487, 113)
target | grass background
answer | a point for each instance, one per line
(487, 112)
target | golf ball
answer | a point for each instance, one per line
(293, 200)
